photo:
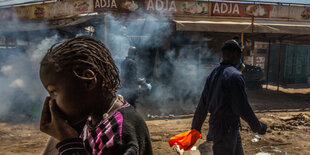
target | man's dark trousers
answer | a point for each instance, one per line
(228, 143)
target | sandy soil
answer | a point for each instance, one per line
(296, 88)
(286, 114)
(25, 139)
(293, 139)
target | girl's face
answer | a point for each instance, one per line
(68, 92)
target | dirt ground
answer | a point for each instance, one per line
(286, 114)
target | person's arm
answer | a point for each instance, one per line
(73, 146)
(241, 106)
(202, 109)
(131, 146)
(53, 123)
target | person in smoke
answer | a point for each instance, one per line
(82, 111)
(224, 97)
(129, 77)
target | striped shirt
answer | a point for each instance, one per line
(123, 132)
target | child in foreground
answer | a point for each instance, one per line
(83, 112)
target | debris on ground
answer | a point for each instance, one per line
(271, 150)
(298, 120)
(256, 138)
(291, 122)
(192, 151)
(281, 127)
(169, 116)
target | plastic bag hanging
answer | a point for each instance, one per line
(185, 140)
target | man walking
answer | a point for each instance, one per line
(224, 96)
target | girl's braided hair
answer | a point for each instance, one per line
(82, 53)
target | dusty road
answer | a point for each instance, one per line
(287, 116)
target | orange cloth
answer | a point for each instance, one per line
(185, 140)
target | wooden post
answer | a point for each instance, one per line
(279, 66)
(252, 24)
(105, 30)
(242, 39)
(268, 61)
(210, 8)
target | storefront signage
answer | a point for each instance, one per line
(117, 5)
(161, 5)
(177, 7)
(69, 8)
(240, 10)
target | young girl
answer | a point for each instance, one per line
(82, 112)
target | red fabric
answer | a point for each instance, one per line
(185, 140)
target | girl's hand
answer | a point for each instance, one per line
(53, 123)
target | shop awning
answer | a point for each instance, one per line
(13, 26)
(213, 26)
(246, 26)
(281, 27)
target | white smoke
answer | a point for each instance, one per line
(18, 84)
(176, 81)
(6, 69)
(21, 91)
(180, 80)
(123, 32)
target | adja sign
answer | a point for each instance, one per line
(117, 5)
(240, 10)
(164, 6)
(66, 8)
(133, 5)
(185, 7)
(161, 5)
